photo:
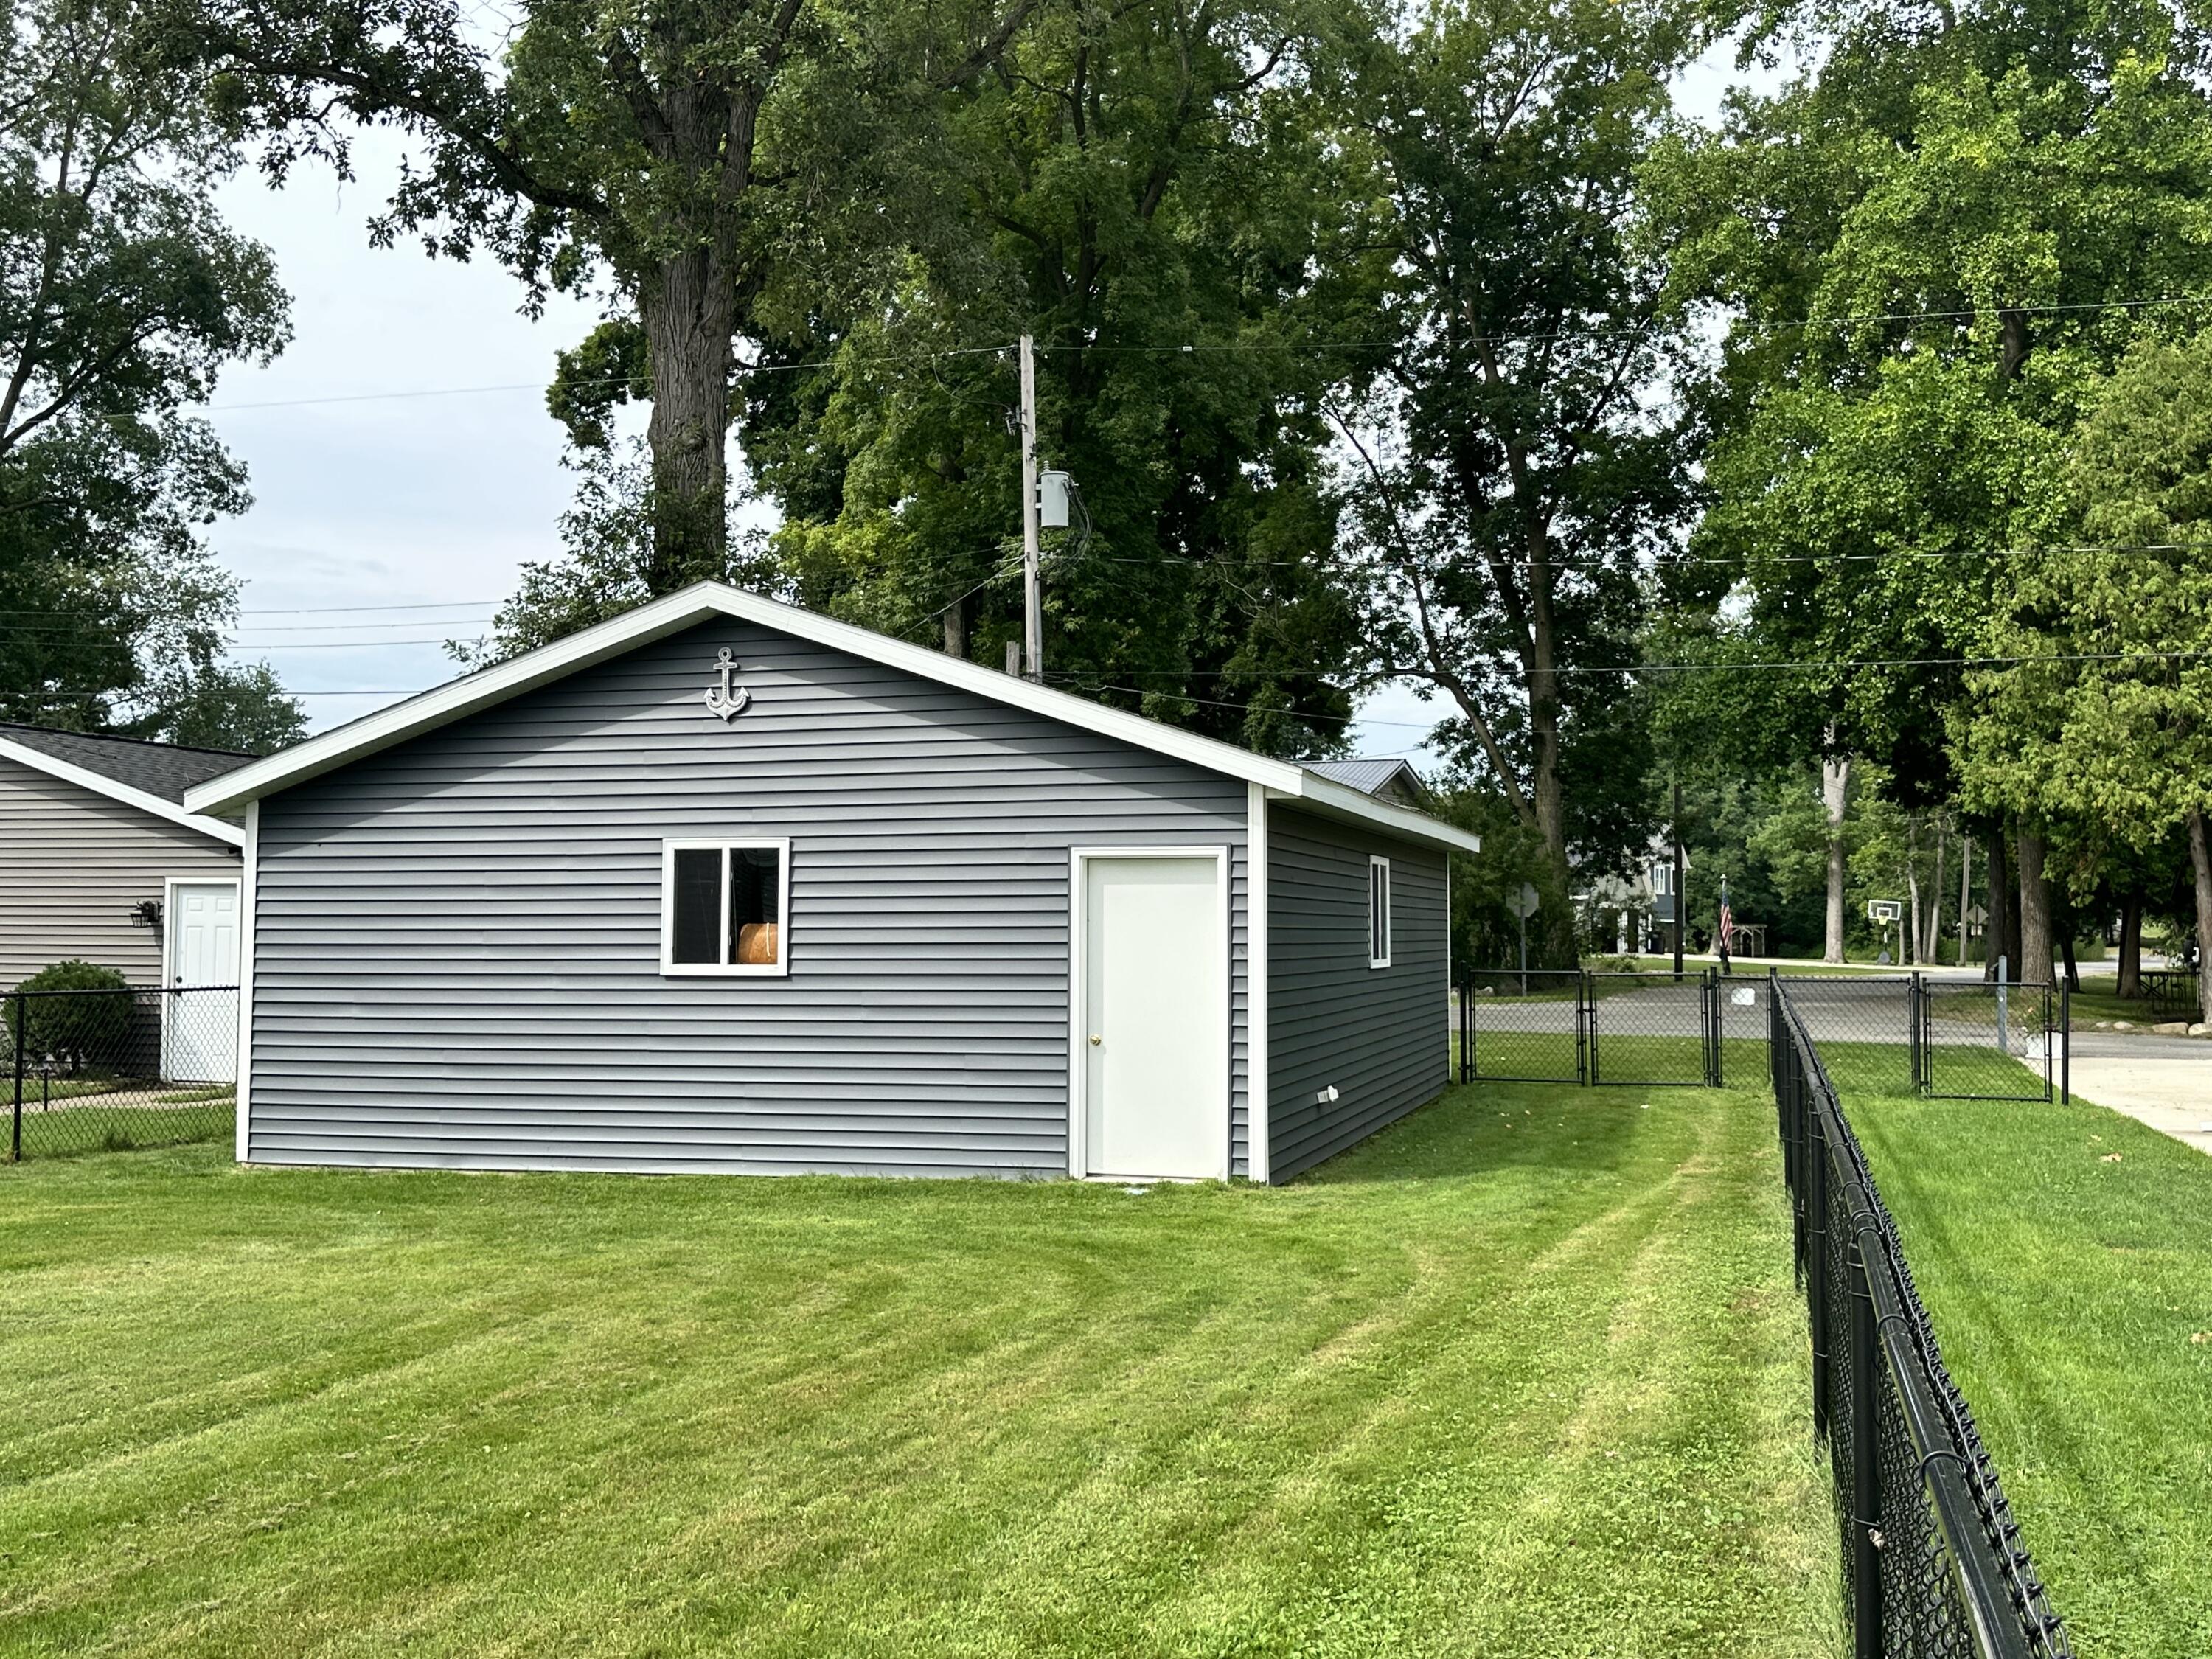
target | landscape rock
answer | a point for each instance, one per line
(2123, 1025)
(2200, 1029)
(2171, 1028)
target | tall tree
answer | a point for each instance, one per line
(123, 296)
(1936, 237)
(2106, 716)
(1519, 456)
(712, 169)
(1151, 191)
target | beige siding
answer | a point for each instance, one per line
(73, 862)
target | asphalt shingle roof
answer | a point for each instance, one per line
(166, 769)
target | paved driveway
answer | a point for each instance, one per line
(2166, 1082)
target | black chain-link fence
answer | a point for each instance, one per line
(1518, 1027)
(1933, 1559)
(1900, 1034)
(103, 1070)
(1651, 1029)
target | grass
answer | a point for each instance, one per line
(2065, 1254)
(104, 1121)
(1808, 968)
(1523, 1375)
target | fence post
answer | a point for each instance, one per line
(1467, 1027)
(2065, 1047)
(1914, 994)
(1585, 1028)
(15, 1133)
(1865, 1566)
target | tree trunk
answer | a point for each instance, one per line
(2130, 973)
(1835, 796)
(2034, 911)
(2066, 956)
(688, 328)
(1965, 890)
(956, 629)
(1935, 933)
(1997, 938)
(1908, 926)
(2200, 856)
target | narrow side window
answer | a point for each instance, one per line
(1378, 913)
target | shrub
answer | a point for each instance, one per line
(69, 1030)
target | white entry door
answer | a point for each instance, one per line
(1156, 1018)
(200, 1030)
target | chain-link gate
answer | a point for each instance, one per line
(1975, 1041)
(1652, 1030)
(1518, 1027)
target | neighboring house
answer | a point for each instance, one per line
(99, 860)
(1637, 914)
(1394, 780)
(724, 886)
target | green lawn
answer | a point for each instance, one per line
(80, 1117)
(2065, 1253)
(1524, 1376)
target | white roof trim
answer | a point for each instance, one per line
(100, 784)
(1341, 800)
(704, 601)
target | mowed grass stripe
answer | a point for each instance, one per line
(1523, 1375)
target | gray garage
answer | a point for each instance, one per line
(725, 885)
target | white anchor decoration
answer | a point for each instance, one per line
(725, 702)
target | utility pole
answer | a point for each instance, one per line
(1674, 829)
(1032, 532)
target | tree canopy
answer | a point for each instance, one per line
(123, 297)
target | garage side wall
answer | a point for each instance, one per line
(457, 941)
(1379, 1036)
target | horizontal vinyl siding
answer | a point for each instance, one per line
(73, 862)
(456, 942)
(1379, 1035)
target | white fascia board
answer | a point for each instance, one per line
(1341, 800)
(100, 784)
(701, 602)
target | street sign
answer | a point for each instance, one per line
(1523, 903)
(1976, 917)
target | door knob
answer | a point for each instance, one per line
(1094, 1039)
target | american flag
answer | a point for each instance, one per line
(1728, 918)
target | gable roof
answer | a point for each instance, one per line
(153, 777)
(1369, 777)
(706, 601)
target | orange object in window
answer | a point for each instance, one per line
(756, 945)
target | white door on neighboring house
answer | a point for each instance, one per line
(199, 1028)
(1156, 1018)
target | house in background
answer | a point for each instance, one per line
(1637, 914)
(724, 886)
(99, 860)
(1394, 780)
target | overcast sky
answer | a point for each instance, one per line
(402, 463)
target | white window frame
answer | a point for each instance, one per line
(1378, 959)
(725, 969)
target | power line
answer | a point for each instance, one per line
(743, 370)
(1249, 347)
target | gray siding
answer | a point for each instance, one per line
(73, 862)
(1379, 1035)
(457, 944)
